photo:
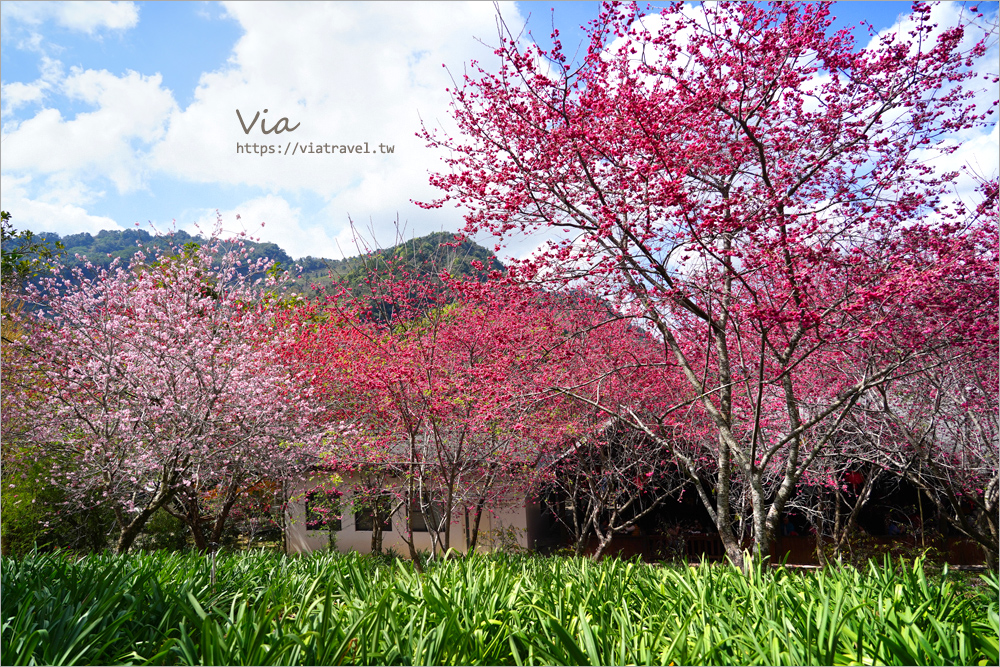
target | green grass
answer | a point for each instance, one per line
(329, 609)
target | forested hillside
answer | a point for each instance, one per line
(426, 255)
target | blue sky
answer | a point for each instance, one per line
(117, 113)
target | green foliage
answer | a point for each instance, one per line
(862, 548)
(260, 608)
(33, 514)
(22, 254)
(505, 539)
(25, 506)
(162, 531)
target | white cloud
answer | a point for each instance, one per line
(979, 157)
(17, 94)
(131, 112)
(88, 17)
(943, 16)
(91, 16)
(347, 74)
(59, 210)
(979, 147)
(283, 225)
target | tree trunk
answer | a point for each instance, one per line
(130, 530)
(190, 514)
(200, 543)
(408, 538)
(852, 518)
(820, 545)
(603, 540)
(447, 519)
(989, 557)
(232, 494)
(472, 540)
(284, 516)
(723, 513)
(838, 532)
(763, 532)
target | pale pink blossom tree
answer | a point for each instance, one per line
(164, 377)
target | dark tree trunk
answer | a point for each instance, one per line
(472, 539)
(131, 529)
(232, 494)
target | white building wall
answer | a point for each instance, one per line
(496, 527)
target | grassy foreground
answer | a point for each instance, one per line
(264, 609)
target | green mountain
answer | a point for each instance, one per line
(425, 256)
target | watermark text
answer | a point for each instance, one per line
(302, 148)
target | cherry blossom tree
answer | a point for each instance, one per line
(935, 426)
(437, 386)
(607, 483)
(609, 474)
(756, 190)
(835, 490)
(939, 432)
(162, 379)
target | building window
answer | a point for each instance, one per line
(323, 509)
(432, 513)
(364, 517)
